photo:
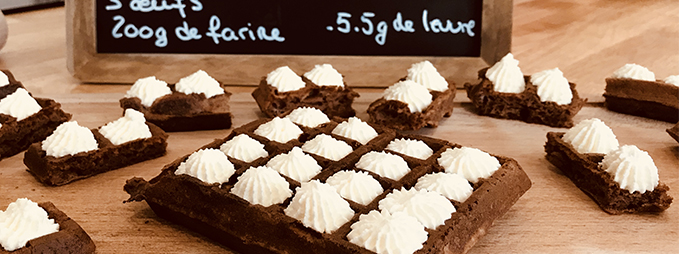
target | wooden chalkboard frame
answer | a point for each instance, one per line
(88, 66)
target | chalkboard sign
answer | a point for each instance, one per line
(239, 41)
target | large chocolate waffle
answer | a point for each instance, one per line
(212, 210)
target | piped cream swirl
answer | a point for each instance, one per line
(262, 186)
(451, 186)
(199, 82)
(471, 163)
(22, 221)
(506, 75)
(430, 208)
(295, 164)
(325, 75)
(327, 147)
(308, 117)
(148, 90)
(19, 104)
(552, 86)
(591, 136)
(355, 129)
(69, 139)
(632, 168)
(244, 148)
(318, 206)
(387, 233)
(285, 80)
(279, 129)
(634, 71)
(672, 80)
(424, 73)
(359, 187)
(384, 164)
(411, 147)
(208, 165)
(409, 92)
(130, 127)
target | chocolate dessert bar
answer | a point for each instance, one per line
(185, 112)
(657, 100)
(674, 132)
(584, 171)
(62, 170)
(396, 114)
(214, 211)
(332, 100)
(70, 238)
(525, 106)
(17, 136)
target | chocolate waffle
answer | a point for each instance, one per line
(212, 210)
(651, 99)
(16, 136)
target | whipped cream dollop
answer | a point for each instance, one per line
(632, 168)
(262, 186)
(634, 71)
(506, 75)
(308, 117)
(451, 186)
(243, 147)
(672, 80)
(384, 164)
(318, 206)
(591, 136)
(409, 92)
(4, 80)
(325, 75)
(295, 164)
(471, 163)
(354, 128)
(148, 90)
(411, 147)
(387, 233)
(279, 129)
(359, 187)
(285, 80)
(425, 74)
(199, 82)
(429, 208)
(130, 127)
(22, 221)
(327, 147)
(69, 138)
(209, 165)
(552, 86)
(19, 104)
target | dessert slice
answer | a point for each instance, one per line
(634, 90)
(28, 227)
(544, 98)
(282, 91)
(24, 119)
(419, 100)
(74, 152)
(283, 202)
(619, 179)
(196, 102)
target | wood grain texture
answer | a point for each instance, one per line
(587, 39)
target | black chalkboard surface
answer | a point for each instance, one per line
(294, 27)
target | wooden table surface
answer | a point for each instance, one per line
(588, 40)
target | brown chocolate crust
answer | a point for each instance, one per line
(332, 100)
(249, 228)
(17, 136)
(185, 112)
(584, 171)
(674, 132)
(70, 238)
(59, 171)
(525, 106)
(397, 115)
(655, 100)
